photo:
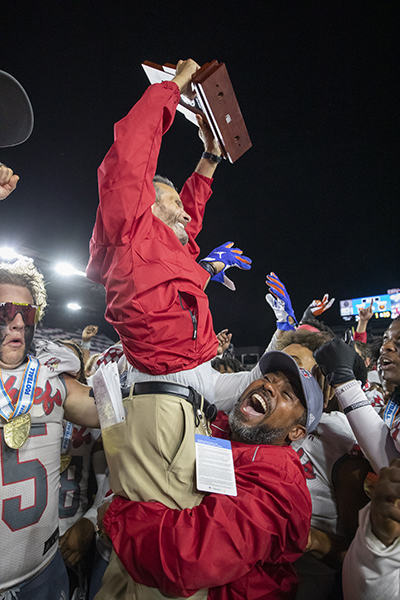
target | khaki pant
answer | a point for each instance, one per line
(151, 457)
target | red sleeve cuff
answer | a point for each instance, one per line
(360, 337)
(171, 85)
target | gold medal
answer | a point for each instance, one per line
(16, 431)
(65, 459)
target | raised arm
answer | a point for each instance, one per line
(336, 360)
(8, 181)
(365, 315)
(126, 173)
(211, 156)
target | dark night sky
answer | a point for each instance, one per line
(315, 199)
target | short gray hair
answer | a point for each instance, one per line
(165, 181)
(23, 272)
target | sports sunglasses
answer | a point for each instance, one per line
(28, 312)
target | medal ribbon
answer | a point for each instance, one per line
(68, 429)
(391, 411)
(26, 393)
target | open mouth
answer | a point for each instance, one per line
(385, 363)
(15, 342)
(255, 405)
(180, 225)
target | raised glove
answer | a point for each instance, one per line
(279, 300)
(317, 307)
(336, 360)
(231, 257)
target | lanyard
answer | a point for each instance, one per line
(68, 429)
(26, 393)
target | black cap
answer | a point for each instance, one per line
(16, 114)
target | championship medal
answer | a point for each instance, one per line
(18, 425)
(16, 431)
(65, 460)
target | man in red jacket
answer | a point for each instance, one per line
(143, 247)
(143, 251)
(237, 546)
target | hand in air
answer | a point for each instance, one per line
(224, 257)
(317, 307)
(8, 181)
(89, 332)
(185, 69)
(365, 314)
(336, 360)
(224, 339)
(207, 137)
(279, 301)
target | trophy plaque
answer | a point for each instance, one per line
(215, 100)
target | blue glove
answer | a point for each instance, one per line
(231, 257)
(279, 300)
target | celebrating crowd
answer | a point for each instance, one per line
(218, 483)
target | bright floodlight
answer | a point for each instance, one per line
(67, 269)
(7, 253)
(74, 306)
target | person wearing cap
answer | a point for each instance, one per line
(233, 546)
(16, 124)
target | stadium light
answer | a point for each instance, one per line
(74, 306)
(7, 253)
(67, 269)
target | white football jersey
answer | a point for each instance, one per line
(29, 477)
(373, 390)
(318, 453)
(74, 501)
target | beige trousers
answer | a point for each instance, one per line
(151, 457)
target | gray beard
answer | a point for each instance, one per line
(258, 434)
(181, 235)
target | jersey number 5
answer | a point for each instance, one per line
(16, 472)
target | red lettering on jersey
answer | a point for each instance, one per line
(394, 432)
(12, 392)
(79, 437)
(47, 399)
(307, 466)
(356, 451)
(378, 401)
(40, 395)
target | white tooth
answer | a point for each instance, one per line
(261, 401)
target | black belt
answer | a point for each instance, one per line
(174, 389)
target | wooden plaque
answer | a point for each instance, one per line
(215, 100)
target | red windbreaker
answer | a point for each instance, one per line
(154, 287)
(239, 547)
